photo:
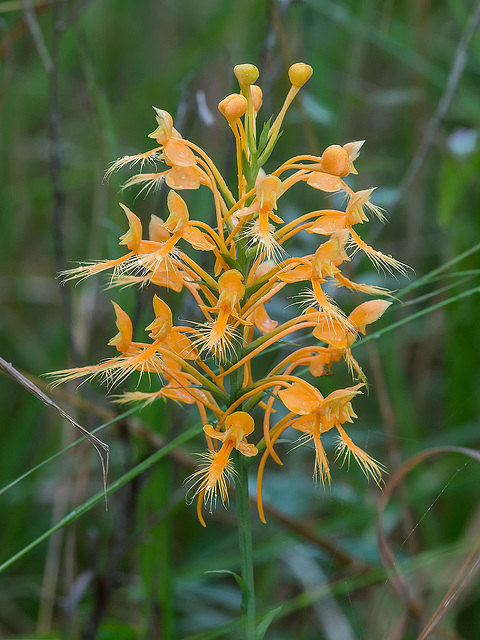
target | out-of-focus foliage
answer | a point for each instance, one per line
(77, 83)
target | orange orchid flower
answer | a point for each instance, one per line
(217, 335)
(319, 415)
(261, 233)
(340, 337)
(244, 265)
(331, 221)
(316, 270)
(137, 356)
(184, 172)
(217, 468)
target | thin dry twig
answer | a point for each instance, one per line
(37, 36)
(99, 445)
(397, 580)
(18, 5)
(466, 574)
(454, 76)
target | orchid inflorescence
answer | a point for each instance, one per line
(210, 363)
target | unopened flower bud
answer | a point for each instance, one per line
(246, 74)
(335, 161)
(257, 97)
(233, 106)
(299, 73)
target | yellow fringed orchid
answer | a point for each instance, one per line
(210, 361)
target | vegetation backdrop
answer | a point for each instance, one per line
(78, 80)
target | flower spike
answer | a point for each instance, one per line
(230, 270)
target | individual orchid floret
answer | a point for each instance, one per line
(178, 226)
(323, 265)
(261, 232)
(217, 469)
(319, 415)
(132, 239)
(184, 172)
(217, 335)
(162, 135)
(316, 270)
(340, 337)
(135, 356)
(331, 221)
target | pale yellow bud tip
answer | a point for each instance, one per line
(299, 73)
(246, 74)
(257, 97)
(233, 106)
(163, 132)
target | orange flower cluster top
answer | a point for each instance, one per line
(210, 363)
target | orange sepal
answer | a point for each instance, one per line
(123, 339)
(247, 450)
(324, 182)
(212, 433)
(197, 239)
(328, 223)
(171, 278)
(262, 320)
(157, 231)
(165, 125)
(162, 324)
(178, 218)
(178, 394)
(184, 177)
(133, 237)
(297, 274)
(178, 154)
(301, 399)
(332, 331)
(182, 345)
(368, 312)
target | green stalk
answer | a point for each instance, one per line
(241, 464)
(156, 548)
(244, 525)
(246, 547)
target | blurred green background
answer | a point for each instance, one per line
(78, 80)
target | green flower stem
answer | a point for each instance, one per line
(244, 524)
(246, 547)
